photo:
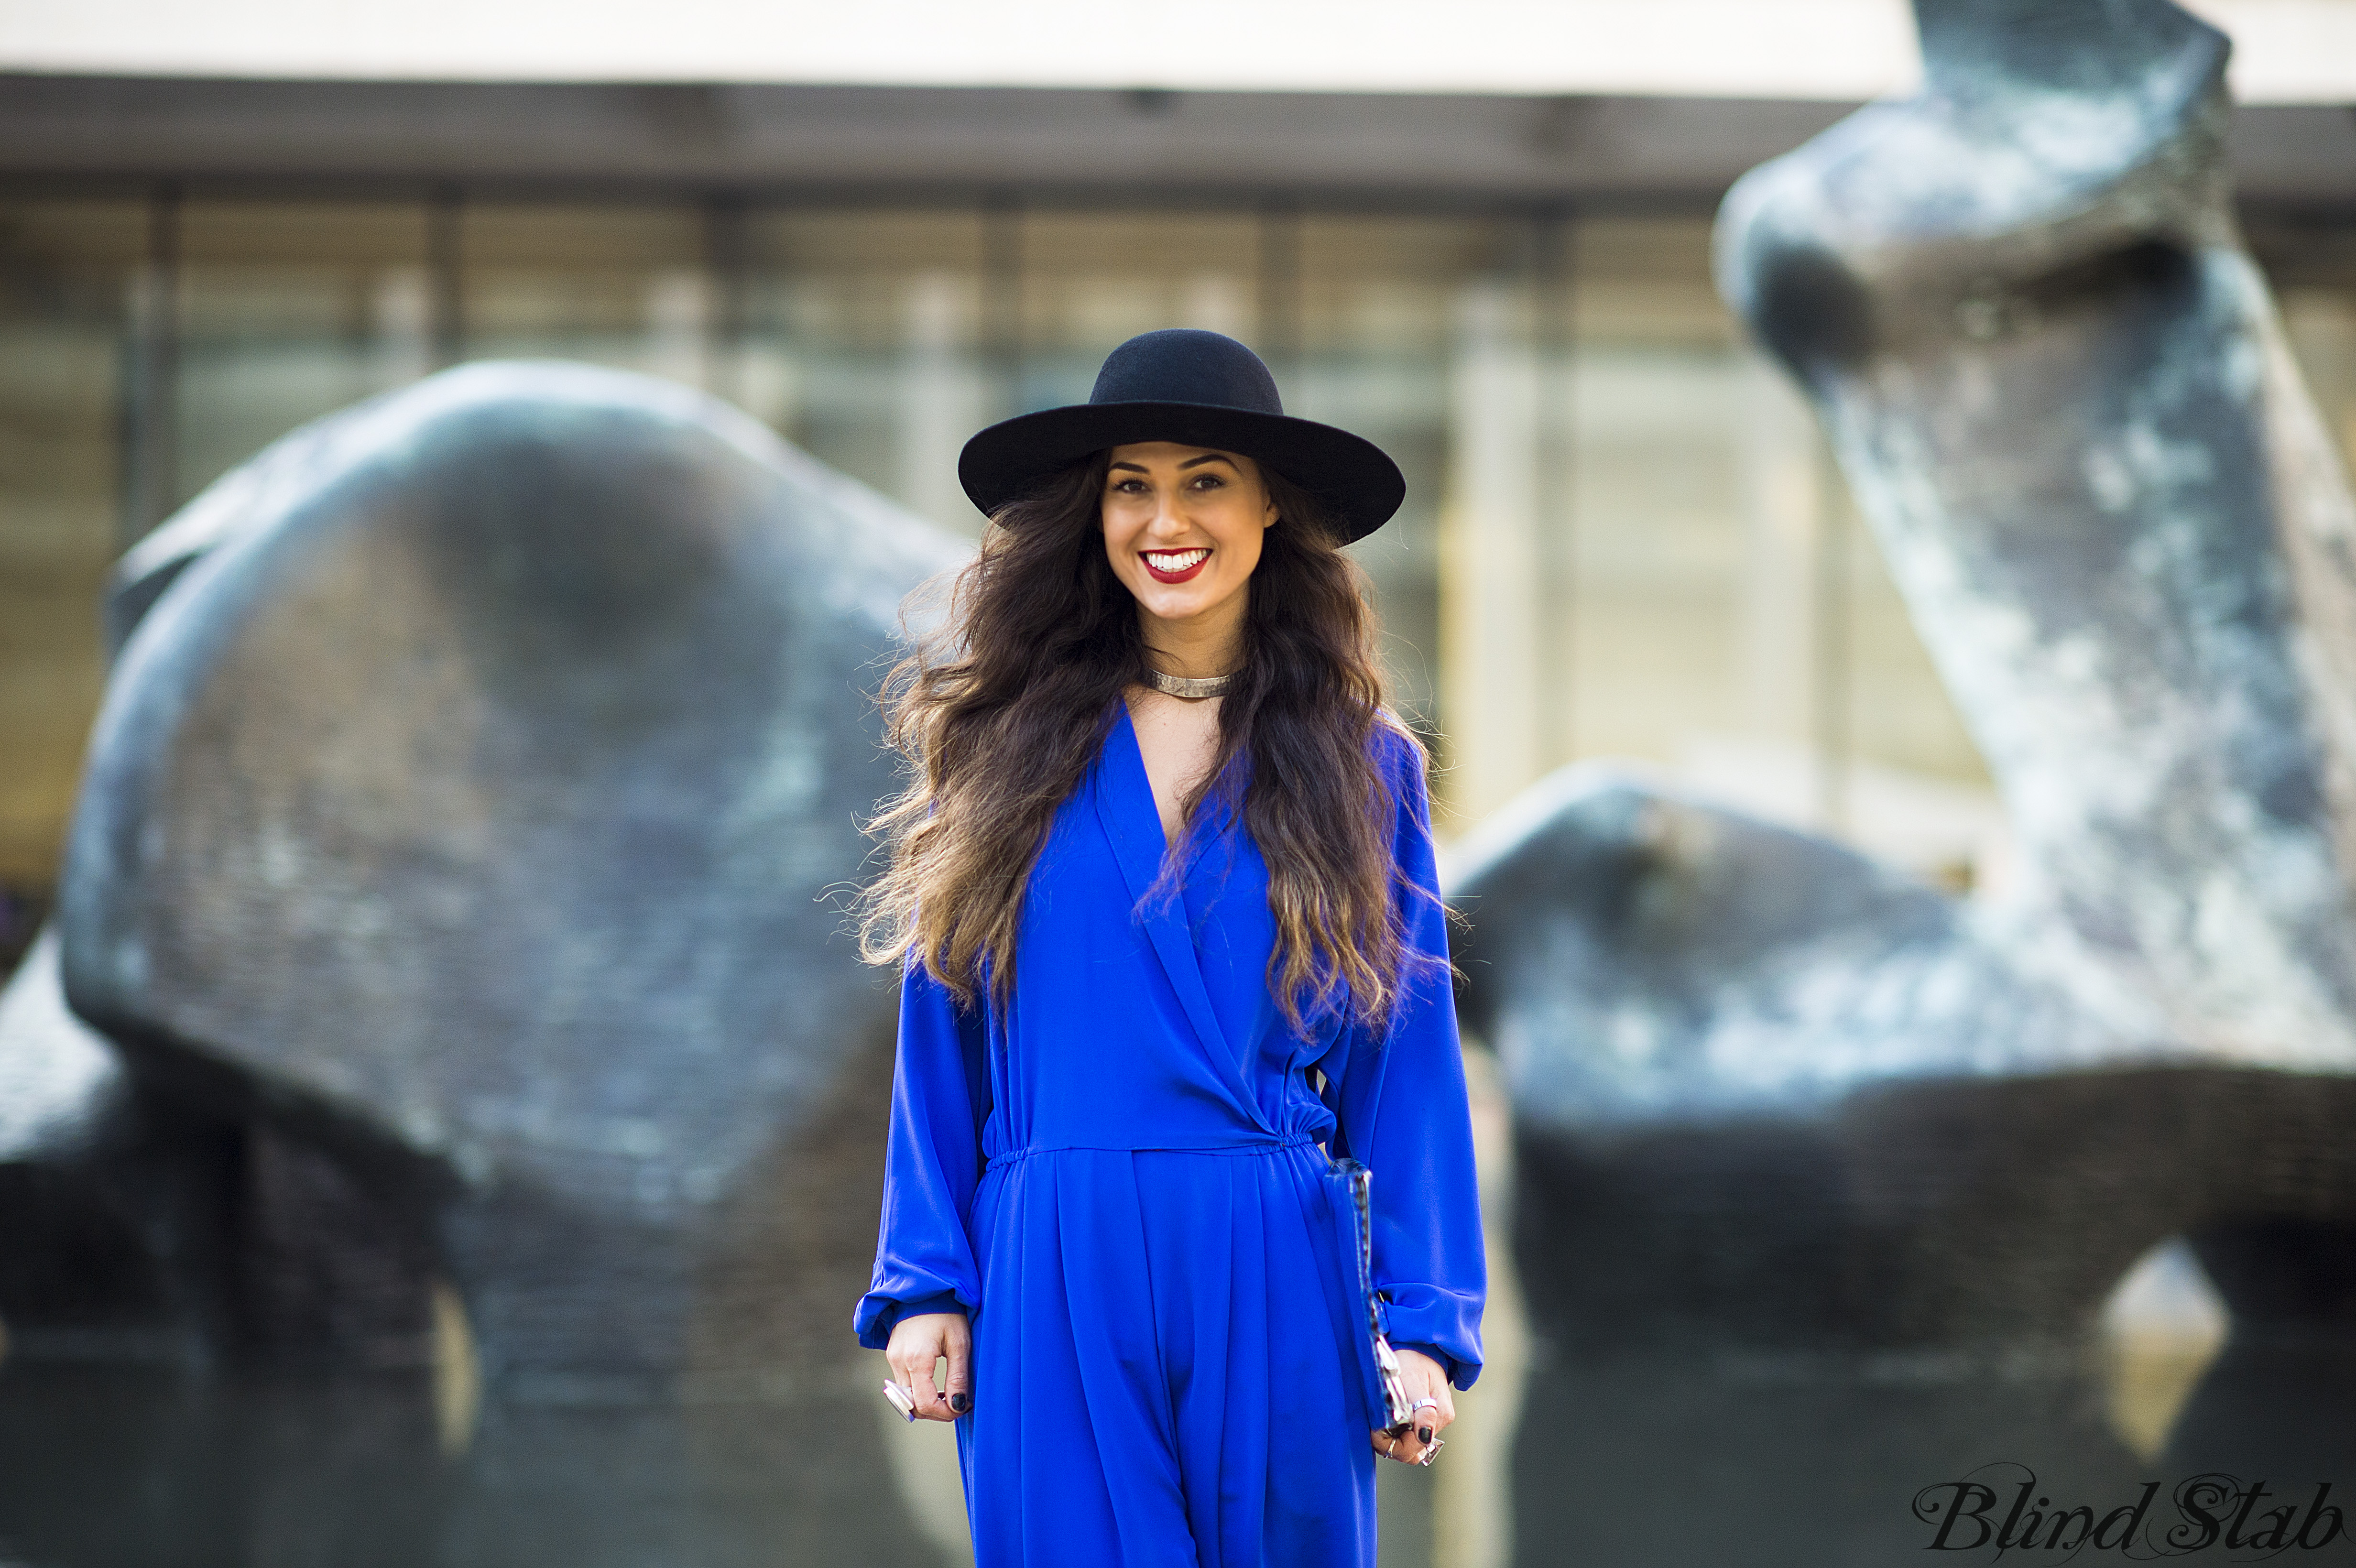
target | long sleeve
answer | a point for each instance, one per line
(932, 1164)
(1403, 1110)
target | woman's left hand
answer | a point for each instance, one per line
(1423, 1379)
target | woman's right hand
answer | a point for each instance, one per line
(917, 1345)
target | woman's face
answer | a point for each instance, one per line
(1182, 525)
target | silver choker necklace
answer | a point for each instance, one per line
(1191, 686)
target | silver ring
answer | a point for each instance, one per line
(1423, 1404)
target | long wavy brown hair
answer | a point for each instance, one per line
(998, 710)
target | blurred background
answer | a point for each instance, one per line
(1477, 233)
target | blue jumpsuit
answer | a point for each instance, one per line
(1119, 1181)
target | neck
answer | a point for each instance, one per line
(1196, 647)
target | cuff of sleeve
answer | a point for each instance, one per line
(879, 1315)
(1443, 1325)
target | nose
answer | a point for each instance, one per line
(1168, 518)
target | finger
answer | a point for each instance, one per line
(931, 1403)
(961, 1384)
(904, 1372)
(915, 1373)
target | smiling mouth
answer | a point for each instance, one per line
(1173, 565)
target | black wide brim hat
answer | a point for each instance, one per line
(1198, 389)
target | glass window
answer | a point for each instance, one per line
(67, 272)
(1622, 537)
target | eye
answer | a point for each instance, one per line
(1209, 481)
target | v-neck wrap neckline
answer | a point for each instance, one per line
(1124, 804)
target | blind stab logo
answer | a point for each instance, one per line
(1975, 1513)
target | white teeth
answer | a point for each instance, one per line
(1173, 559)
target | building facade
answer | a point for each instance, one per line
(1624, 537)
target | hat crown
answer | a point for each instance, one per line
(1185, 364)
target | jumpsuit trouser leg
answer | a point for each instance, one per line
(1157, 1379)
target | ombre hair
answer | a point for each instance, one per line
(999, 712)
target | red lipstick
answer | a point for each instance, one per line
(1161, 576)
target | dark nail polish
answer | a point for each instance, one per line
(960, 1403)
(1424, 1434)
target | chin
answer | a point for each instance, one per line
(1180, 604)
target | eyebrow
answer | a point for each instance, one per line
(1190, 462)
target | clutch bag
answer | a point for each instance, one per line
(1378, 1367)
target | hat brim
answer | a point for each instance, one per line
(1350, 473)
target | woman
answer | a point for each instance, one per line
(1163, 896)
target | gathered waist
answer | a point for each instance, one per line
(1252, 1146)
